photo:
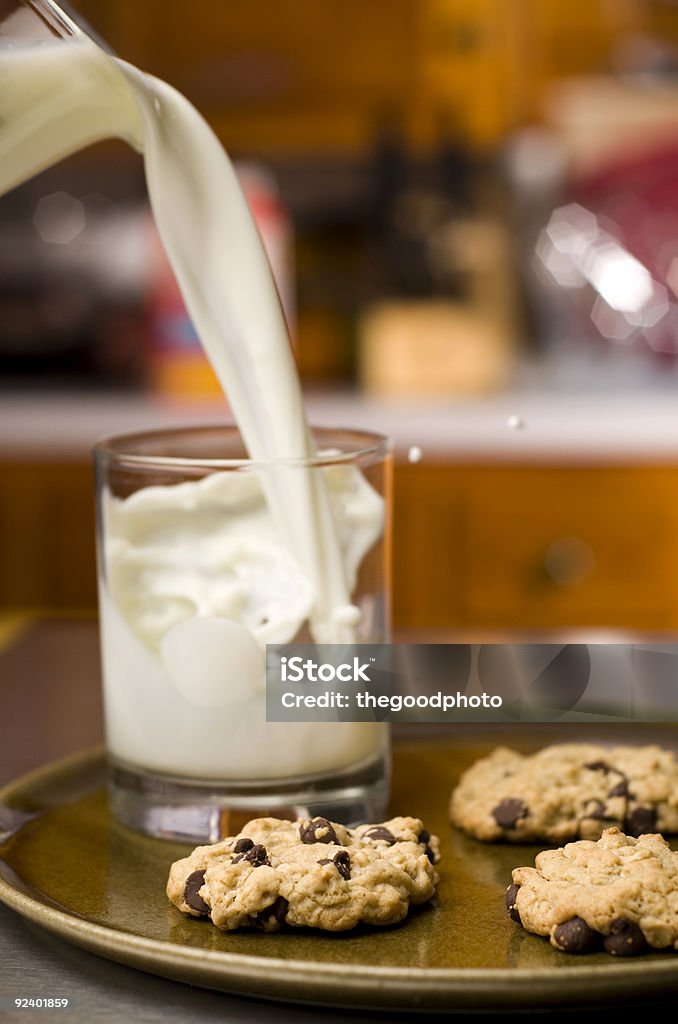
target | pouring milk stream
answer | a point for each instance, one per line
(53, 103)
(306, 531)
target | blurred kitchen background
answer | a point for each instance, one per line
(471, 208)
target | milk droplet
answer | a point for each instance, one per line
(515, 423)
(414, 454)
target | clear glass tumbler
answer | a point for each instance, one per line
(196, 577)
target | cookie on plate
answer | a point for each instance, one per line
(568, 791)
(619, 894)
(308, 873)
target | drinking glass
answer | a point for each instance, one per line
(191, 558)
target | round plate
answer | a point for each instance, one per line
(67, 866)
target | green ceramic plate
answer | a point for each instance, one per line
(66, 866)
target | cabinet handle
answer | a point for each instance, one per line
(568, 561)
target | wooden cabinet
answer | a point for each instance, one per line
(476, 546)
(47, 546)
(536, 547)
(307, 76)
(568, 546)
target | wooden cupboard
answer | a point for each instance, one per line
(295, 76)
(534, 546)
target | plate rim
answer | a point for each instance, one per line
(318, 982)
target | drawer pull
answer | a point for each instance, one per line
(569, 561)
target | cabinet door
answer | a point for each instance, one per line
(275, 75)
(592, 546)
(468, 65)
(47, 547)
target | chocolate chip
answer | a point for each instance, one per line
(243, 845)
(625, 938)
(621, 789)
(599, 766)
(256, 855)
(509, 812)
(424, 838)
(640, 820)
(510, 900)
(277, 911)
(575, 936)
(379, 832)
(280, 908)
(194, 883)
(318, 830)
(342, 863)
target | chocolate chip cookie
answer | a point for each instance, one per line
(619, 894)
(310, 873)
(568, 791)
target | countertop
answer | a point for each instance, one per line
(518, 426)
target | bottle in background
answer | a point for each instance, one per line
(177, 364)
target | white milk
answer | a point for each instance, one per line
(282, 554)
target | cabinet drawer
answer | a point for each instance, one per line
(582, 546)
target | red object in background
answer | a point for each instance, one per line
(178, 365)
(635, 201)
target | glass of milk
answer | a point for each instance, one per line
(200, 568)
